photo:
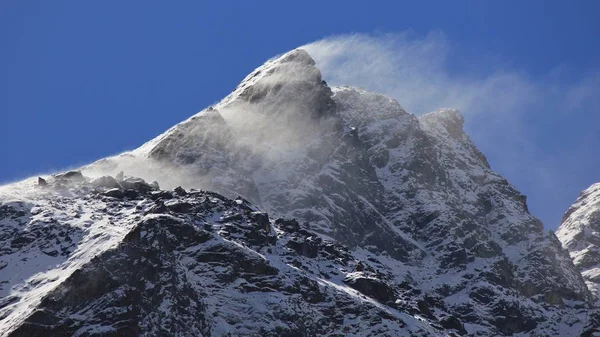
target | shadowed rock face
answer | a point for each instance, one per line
(415, 189)
(401, 228)
(195, 263)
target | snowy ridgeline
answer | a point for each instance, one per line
(580, 235)
(85, 257)
(402, 229)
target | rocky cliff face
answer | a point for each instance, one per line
(401, 227)
(110, 257)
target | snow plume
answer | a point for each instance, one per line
(535, 130)
(515, 118)
(275, 116)
(416, 72)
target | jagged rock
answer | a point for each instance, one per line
(261, 218)
(409, 197)
(178, 206)
(136, 184)
(288, 225)
(165, 195)
(131, 194)
(107, 182)
(308, 247)
(74, 176)
(158, 207)
(233, 217)
(453, 323)
(424, 309)
(42, 182)
(371, 287)
(578, 234)
(179, 191)
(114, 193)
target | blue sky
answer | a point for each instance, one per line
(80, 80)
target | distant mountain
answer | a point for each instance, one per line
(401, 228)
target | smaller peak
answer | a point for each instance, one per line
(448, 124)
(371, 103)
(587, 202)
(451, 116)
(450, 120)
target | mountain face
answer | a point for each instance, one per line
(123, 258)
(579, 233)
(400, 228)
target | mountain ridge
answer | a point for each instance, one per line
(411, 198)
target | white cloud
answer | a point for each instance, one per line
(416, 72)
(512, 116)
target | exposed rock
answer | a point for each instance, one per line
(405, 210)
(131, 194)
(453, 323)
(578, 234)
(42, 182)
(178, 206)
(288, 225)
(136, 184)
(371, 287)
(114, 193)
(74, 176)
(179, 191)
(107, 182)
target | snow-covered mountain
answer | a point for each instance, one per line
(401, 228)
(579, 233)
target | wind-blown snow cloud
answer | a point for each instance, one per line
(514, 117)
(414, 71)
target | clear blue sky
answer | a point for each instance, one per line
(80, 80)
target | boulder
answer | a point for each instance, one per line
(454, 323)
(289, 226)
(114, 193)
(106, 181)
(371, 287)
(179, 191)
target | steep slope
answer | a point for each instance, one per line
(361, 170)
(401, 228)
(579, 233)
(110, 257)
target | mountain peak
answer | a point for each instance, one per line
(450, 240)
(297, 55)
(289, 84)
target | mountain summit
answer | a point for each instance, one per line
(400, 228)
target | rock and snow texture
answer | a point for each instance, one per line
(121, 258)
(416, 234)
(579, 233)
